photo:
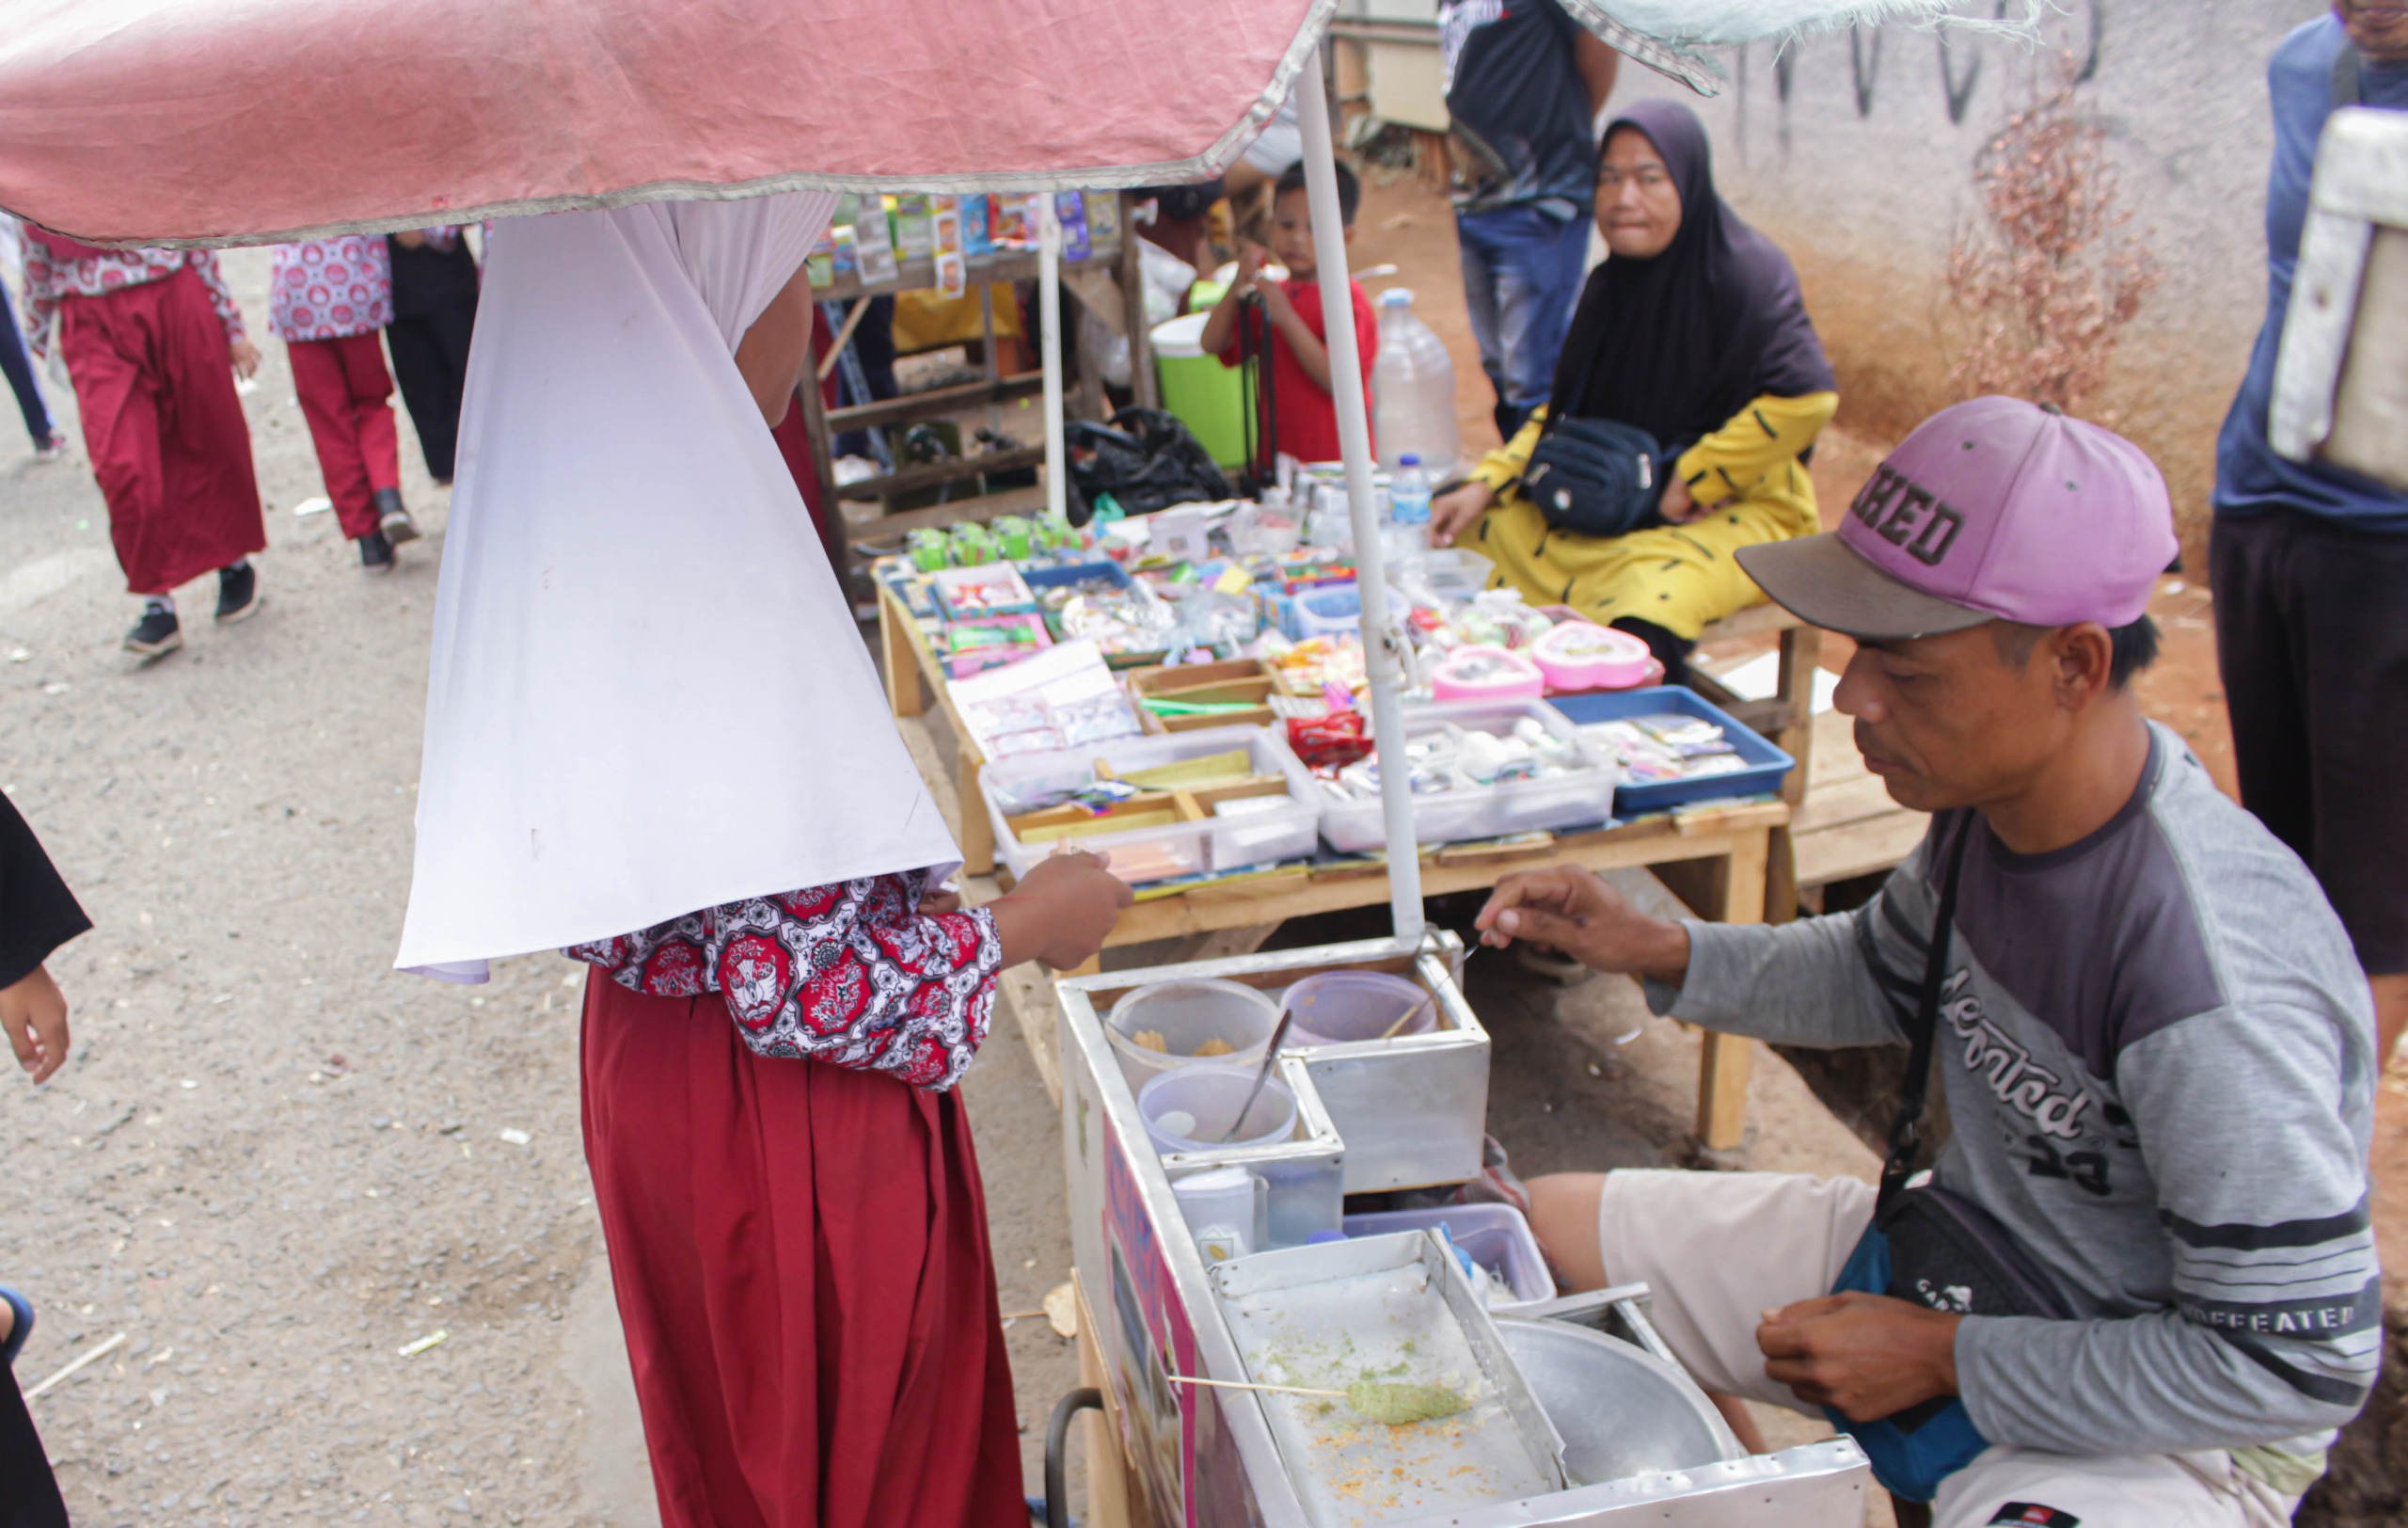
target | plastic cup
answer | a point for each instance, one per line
(1337, 1007)
(1211, 1096)
(1187, 1015)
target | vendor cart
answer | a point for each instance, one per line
(1570, 1411)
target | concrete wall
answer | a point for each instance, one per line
(1855, 150)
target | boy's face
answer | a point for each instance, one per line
(1291, 234)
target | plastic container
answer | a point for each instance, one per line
(1582, 796)
(1456, 572)
(965, 593)
(1579, 656)
(1491, 674)
(1331, 611)
(1766, 765)
(1188, 1014)
(1413, 390)
(1225, 1210)
(1211, 844)
(1496, 1236)
(1339, 1008)
(1208, 397)
(1193, 1108)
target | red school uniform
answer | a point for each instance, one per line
(1306, 416)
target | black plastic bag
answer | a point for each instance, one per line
(1146, 459)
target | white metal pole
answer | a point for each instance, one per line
(1381, 638)
(1049, 330)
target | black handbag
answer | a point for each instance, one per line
(1597, 477)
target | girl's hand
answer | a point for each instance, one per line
(34, 1011)
(247, 359)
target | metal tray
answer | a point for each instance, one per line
(1382, 1307)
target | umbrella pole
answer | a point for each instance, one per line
(1048, 331)
(1383, 662)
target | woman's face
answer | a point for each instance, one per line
(1638, 208)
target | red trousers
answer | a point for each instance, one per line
(344, 391)
(156, 384)
(800, 1255)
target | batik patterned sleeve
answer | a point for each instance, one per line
(854, 975)
(221, 297)
(41, 298)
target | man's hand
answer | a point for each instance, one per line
(1567, 908)
(247, 359)
(1062, 911)
(1454, 512)
(1865, 1355)
(34, 1010)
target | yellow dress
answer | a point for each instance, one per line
(1682, 577)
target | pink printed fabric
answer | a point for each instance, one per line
(330, 289)
(854, 974)
(50, 277)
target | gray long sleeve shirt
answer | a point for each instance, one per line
(2158, 1052)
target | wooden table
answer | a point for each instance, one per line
(1724, 853)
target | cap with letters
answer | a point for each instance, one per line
(1995, 509)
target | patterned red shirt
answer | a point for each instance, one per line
(327, 289)
(49, 278)
(854, 974)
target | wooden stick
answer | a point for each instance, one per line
(1389, 1033)
(90, 1356)
(844, 338)
(1236, 1384)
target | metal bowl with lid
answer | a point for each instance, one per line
(1620, 1411)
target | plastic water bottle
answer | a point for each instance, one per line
(1413, 390)
(1407, 538)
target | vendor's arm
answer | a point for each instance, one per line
(1757, 445)
(2261, 1191)
(1847, 980)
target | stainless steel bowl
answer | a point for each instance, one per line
(1621, 1410)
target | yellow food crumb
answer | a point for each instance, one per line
(1151, 1039)
(1215, 1046)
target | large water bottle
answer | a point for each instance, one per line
(1413, 390)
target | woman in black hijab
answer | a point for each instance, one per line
(1694, 331)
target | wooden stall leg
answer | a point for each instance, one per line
(977, 830)
(1108, 1472)
(1802, 655)
(1723, 1060)
(900, 657)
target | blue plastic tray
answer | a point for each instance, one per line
(1767, 768)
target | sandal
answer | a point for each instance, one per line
(22, 1329)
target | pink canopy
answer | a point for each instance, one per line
(250, 120)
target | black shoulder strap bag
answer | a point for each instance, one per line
(1934, 1247)
(1594, 476)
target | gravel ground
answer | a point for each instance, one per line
(274, 1163)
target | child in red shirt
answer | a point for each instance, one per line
(1295, 414)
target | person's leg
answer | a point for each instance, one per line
(2351, 629)
(121, 434)
(1475, 251)
(1676, 1231)
(19, 370)
(2261, 668)
(423, 375)
(371, 387)
(2024, 1485)
(455, 328)
(324, 391)
(1538, 277)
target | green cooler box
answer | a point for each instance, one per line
(1208, 397)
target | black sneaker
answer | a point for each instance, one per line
(156, 635)
(392, 519)
(375, 552)
(238, 593)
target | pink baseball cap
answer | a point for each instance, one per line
(1995, 509)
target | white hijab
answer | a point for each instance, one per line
(647, 694)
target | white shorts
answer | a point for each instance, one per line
(1720, 1248)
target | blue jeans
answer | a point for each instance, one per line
(20, 370)
(1522, 272)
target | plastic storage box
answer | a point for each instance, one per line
(1766, 766)
(1579, 797)
(1185, 835)
(1495, 1236)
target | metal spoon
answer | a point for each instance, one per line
(1270, 1059)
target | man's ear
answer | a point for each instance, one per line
(2082, 657)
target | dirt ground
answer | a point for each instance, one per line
(274, 1164)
